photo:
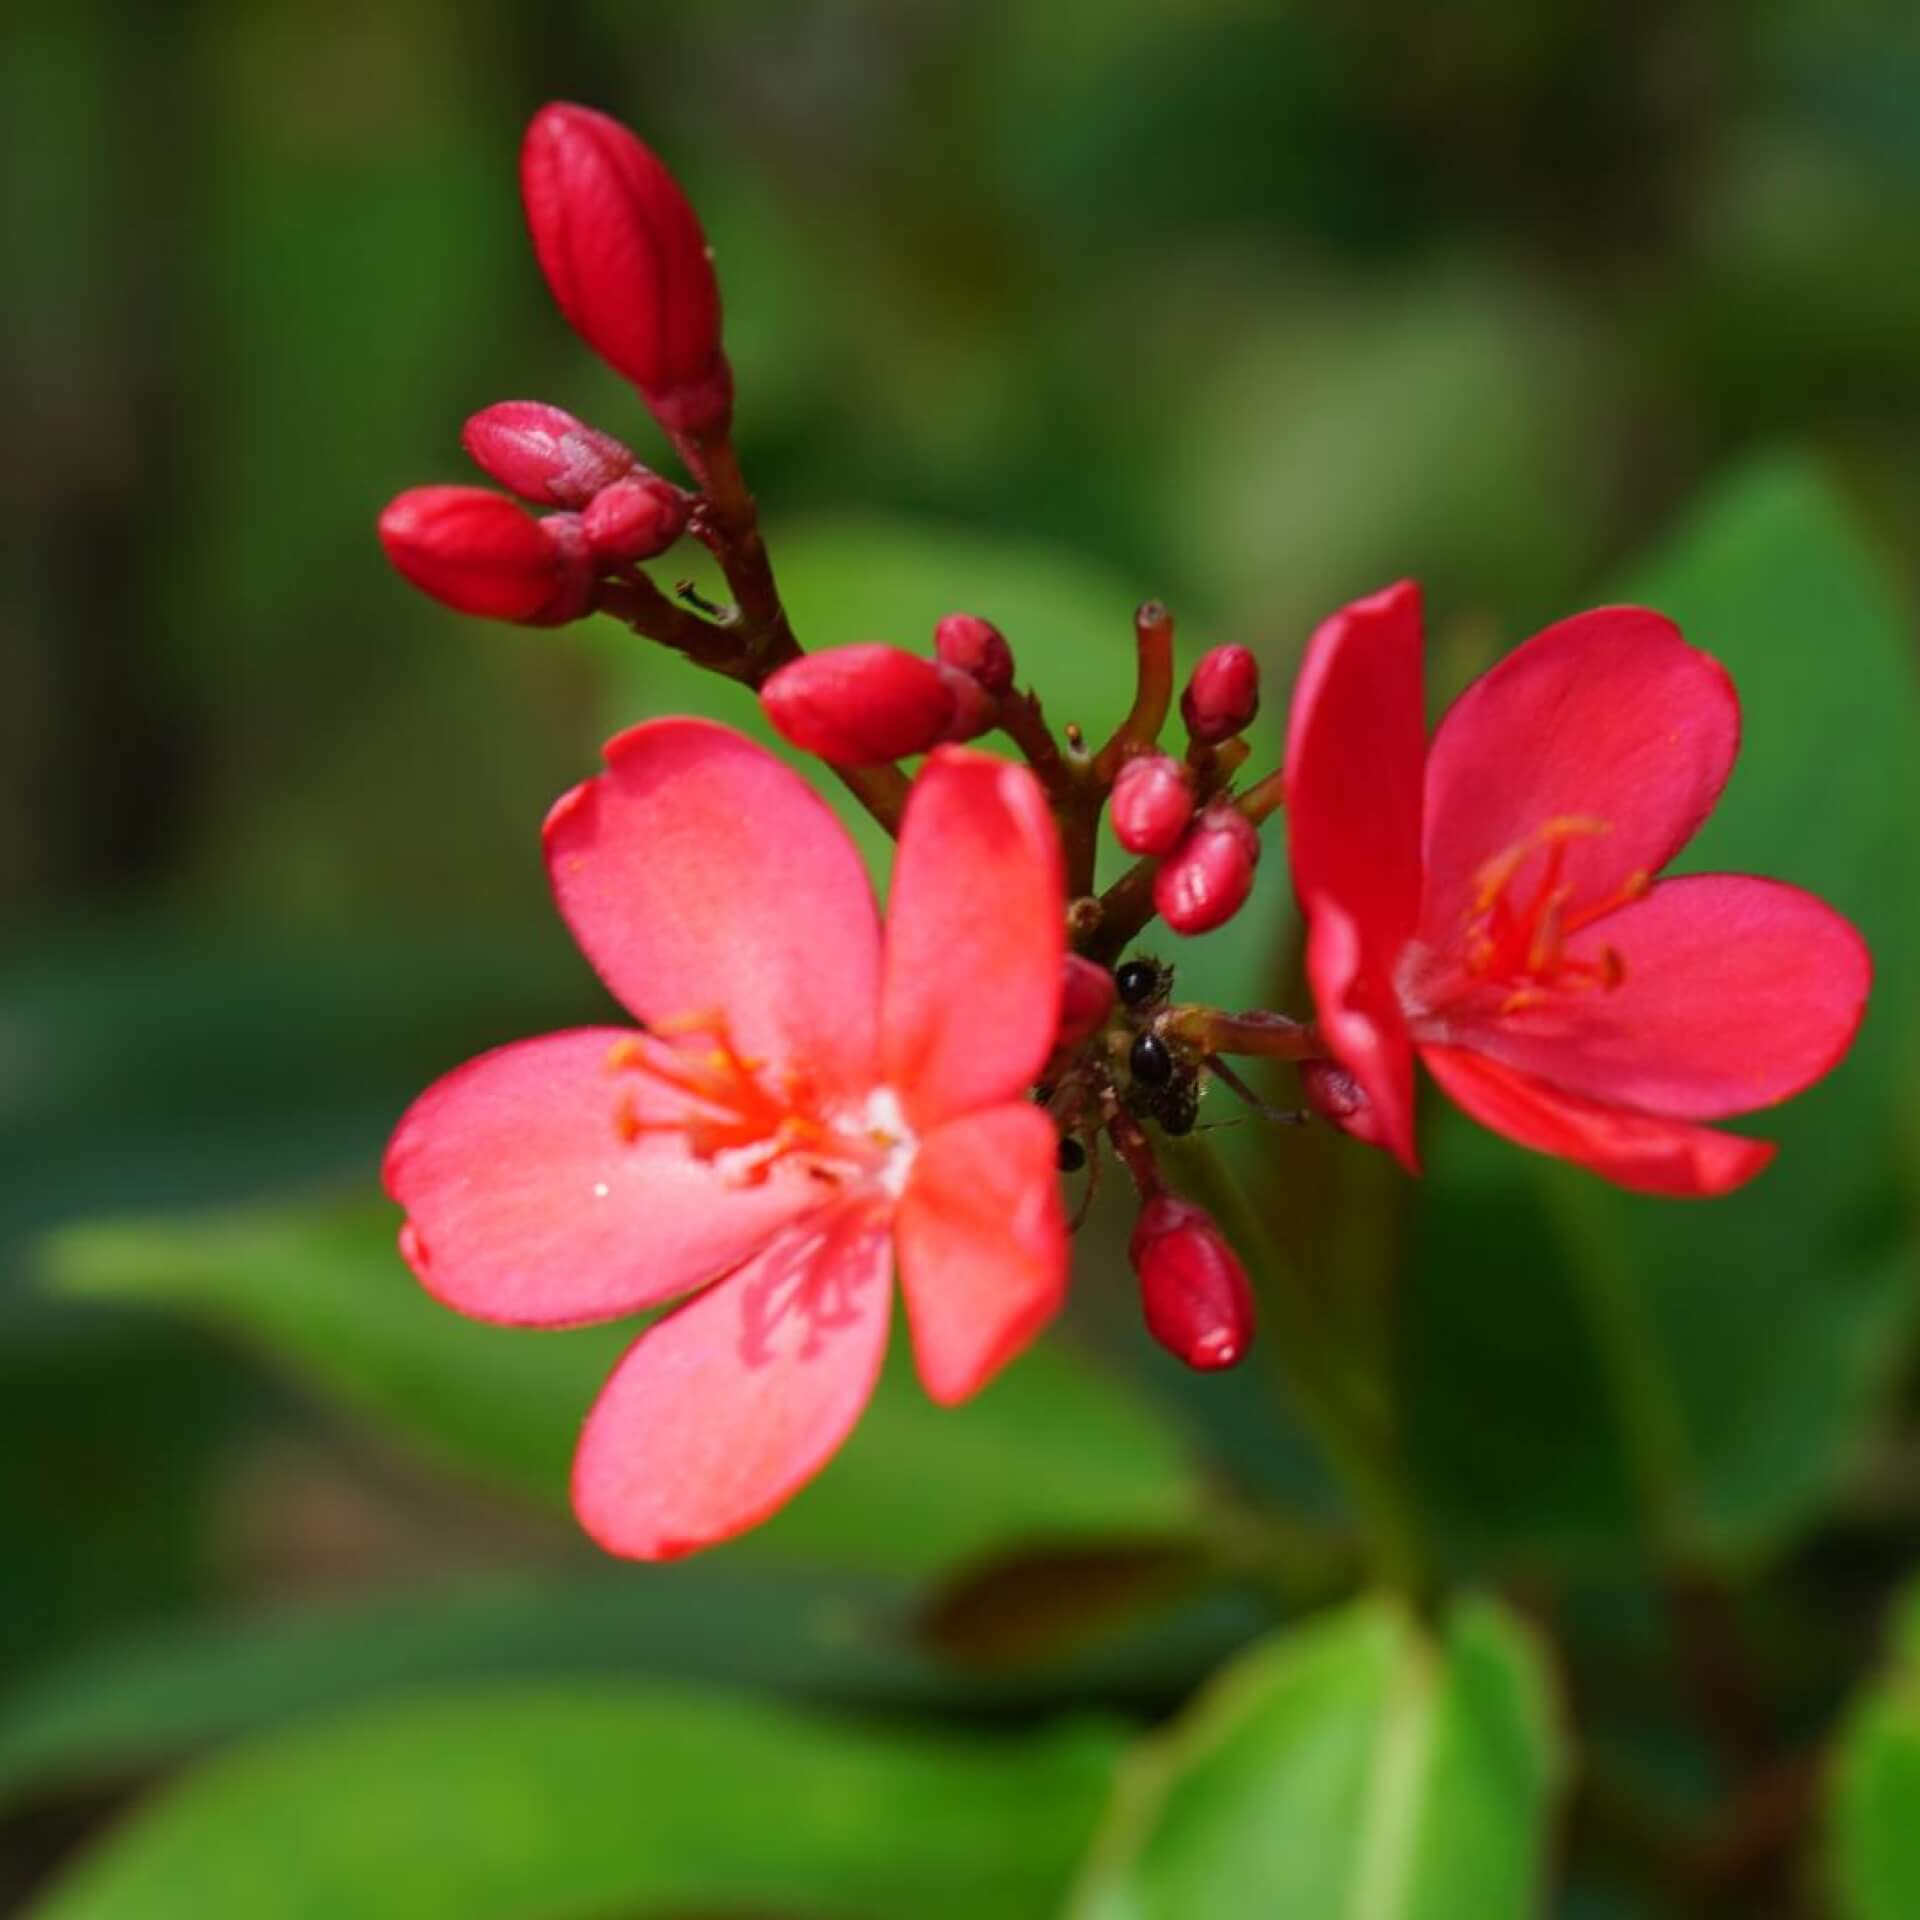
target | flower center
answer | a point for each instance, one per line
(1518, 922)
(686, 1076)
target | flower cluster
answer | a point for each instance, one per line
(810, 1099)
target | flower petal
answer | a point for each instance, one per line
(1356, 750)
(982, 1241)
(700, 875)
(976, 933)
(1608, 717)
(525, 1204)
(722, 1411)
(1737, 993)
(1641, 1151)
(1365, 1031)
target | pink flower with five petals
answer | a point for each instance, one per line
(1491, 903)
(809, 1100)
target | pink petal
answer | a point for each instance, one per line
(976, 932)
(700, 875)
(1356, 748)
(1364, 1030)
(725, 1409)
(1609, 716)
(1737, 993)
(982, 1241)
(526, 1204)
(1640, 1151)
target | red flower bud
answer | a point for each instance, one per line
(1223, 695)
(976, 647)
(543, 453)
(856, 706)
(623, 252)
(975, 710)
(1193, 1288)
(479, 553)
(1152, 803)
(1205, 880)
(634, 519)
(1086, 998)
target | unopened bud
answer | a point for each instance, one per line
(543, 453)
(622, 249)
(1193, 1288)
(478, 552)
(1205, 880)
(975, 710)
(1222, 696)
(1338, 1098)
(976, 647)
(1152, 803)
(634, 519)
(1086, 998)
(857, 706)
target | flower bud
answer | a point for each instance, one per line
(634, 519)
(1205, 880)
(1338, 1098)
(857, 706)
(1152, 803)
(1223, 695)
(479, 553)
(975, 710)
(543, 453)
(1193, 1288)
(1086, 998)
(623, 253)
(976, 647)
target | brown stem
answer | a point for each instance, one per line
(1139, 732)
(1269, 1036)
(742, 552)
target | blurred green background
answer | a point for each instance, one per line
(1037, 307)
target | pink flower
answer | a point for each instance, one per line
(809, 1102)
(1491, 902)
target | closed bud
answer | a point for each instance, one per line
(1151, 804)
(543, 453)
(1086, 998)
(1193, 1289)
(622, 250)
(975, 711)
(479, 553)
(634, 519)
(976, 647)
(1222, 696)
(1338, 1098)
(1205, 880)
(857, 706)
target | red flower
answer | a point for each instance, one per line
(1490, 903)
(807, 1103)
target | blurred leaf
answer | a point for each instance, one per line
(119, 1707)
(1357, 1767)
(522, 1803)
(1050, 1451)
(1577, 1352)
(1875, 1794)
(1025, 1607)
(144, 1062)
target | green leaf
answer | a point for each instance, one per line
(1875, 1796)
(119, 1707)
(523, 1803)
(1357, 1769)
(1587, 1365)
(1052, 1450)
